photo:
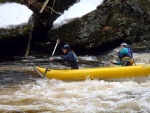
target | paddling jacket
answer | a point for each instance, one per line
(70, 58)
(125, 56)
(125, 52)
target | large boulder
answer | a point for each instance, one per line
(13, 40)
(10, 32)
(113, 22)
(44, 21)
(14, 32)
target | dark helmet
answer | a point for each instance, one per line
(66, 47)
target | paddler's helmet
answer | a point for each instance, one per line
(124, 44)
(66, 47)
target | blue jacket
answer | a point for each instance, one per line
(70, 58)
(124, 52)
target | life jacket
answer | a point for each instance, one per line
(130, 54)
(70, 58)
(74, 56)
(125, 52)
(73, 63)
(126, 61)
(126, 57)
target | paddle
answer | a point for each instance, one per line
(52, 55)
(134, 61)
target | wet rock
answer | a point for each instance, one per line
(44, 20)
(12, 36)
(14, 31)
(141, 47)
(13, 40)
(112, 22)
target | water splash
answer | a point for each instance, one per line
(88, 96)
(142, 58)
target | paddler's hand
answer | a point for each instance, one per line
(112, 61)
(51, 59)
(116, 51)
(58, 41)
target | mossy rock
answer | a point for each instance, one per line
(14, 31)
(112, 23)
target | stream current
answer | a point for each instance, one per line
(22, 91)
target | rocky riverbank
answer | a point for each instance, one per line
(112, 22)
(101, 30)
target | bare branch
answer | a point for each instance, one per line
(44, 5)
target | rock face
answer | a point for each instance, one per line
(113, 22)
(13, 40)
(44, 21)
(141, 47)
(6, 33)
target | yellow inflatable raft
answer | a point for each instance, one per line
(96, 73)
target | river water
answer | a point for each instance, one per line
(21, 91)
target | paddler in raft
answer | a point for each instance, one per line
(69, 57)
(125, 55)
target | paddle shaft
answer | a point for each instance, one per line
(49, 61)
(134, 61)
(55, 48)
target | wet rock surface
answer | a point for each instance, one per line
(18, 35)
(13, 40)
(13, 31)
(141, 47)
(112, 22)
(101, 30)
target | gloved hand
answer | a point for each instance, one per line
(51, 59)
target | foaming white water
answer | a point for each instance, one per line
(13, 14)
(142, 58)
(130, 95)
(88, 58)
(46, 96)
(81, 8)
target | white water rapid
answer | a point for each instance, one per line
(39, 95)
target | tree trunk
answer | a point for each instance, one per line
(30, 37)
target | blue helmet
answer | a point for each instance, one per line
(66, 47)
